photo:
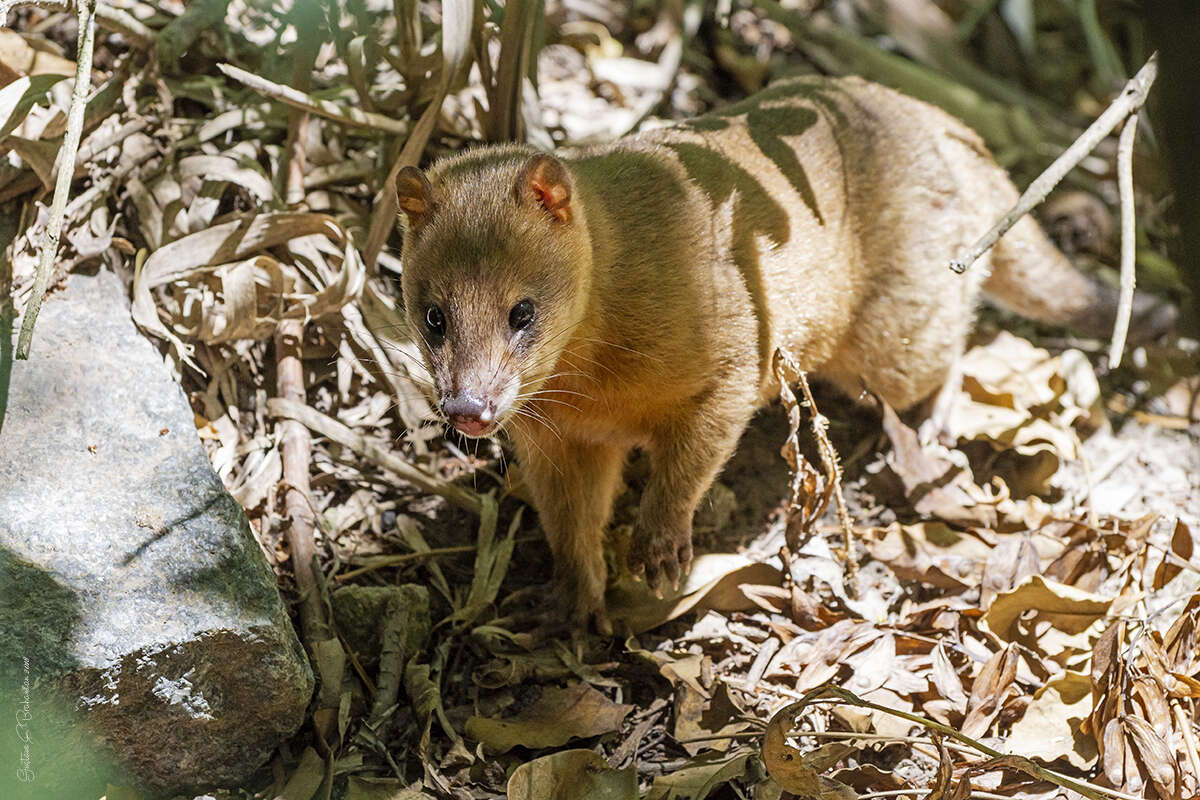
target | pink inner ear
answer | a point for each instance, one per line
(554, 197)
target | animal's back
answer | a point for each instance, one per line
(838, 203)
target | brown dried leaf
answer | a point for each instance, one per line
(992, 687)
(1182, 547)
(1154, 708)
(934, 485)
(1153, 753)
(572, 775)
(945, 678)
(1119, 765)
(1009, 562)
(714, 582)
(790, 768)
(28, 56)
(1051, 729)
(698, 716)
(930, 552)
(556, 717)
(700, 777)
(1053, 620)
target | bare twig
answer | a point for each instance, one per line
(295, 442)
(1128, 240)
(66, 172)
(295, 449)
(347, 115)
(1132, 97)
(377, 455)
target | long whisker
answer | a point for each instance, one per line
(584, 395)
(620, 347)
(538, 399)
(567, 355)
(526, 411)
(538, 447)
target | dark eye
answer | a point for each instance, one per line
(521, 315)
(435, 321)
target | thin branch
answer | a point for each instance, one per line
(295, 441)
(1128, 240)
(346, 115)
(66, 172)
(1132, 97)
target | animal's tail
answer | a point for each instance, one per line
(1031, 277)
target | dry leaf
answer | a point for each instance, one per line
(713, 583)
(556, 717)
(1050, 728)
(702, 775)
(20, 55)
(1056, 621)
(991, 689)
(572, 775)
(789, 767)
(1182, 547)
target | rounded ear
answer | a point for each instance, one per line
(415, 196)
(544, 180)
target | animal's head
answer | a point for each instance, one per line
(497, 265)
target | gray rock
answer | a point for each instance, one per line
(142, 637)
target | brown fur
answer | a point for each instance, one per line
(817, 217)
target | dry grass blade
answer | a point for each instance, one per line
(376, 454)
(458, 19)
(347, 115)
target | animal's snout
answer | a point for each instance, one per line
(470, 414)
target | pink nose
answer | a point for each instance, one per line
(474, 416)
(472, 427)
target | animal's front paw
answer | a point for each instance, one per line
(660, 551)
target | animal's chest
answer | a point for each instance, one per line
(618, 402)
